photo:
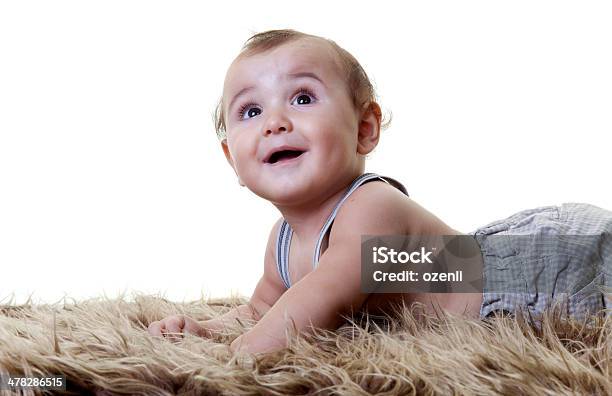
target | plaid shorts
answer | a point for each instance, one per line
(551, 255)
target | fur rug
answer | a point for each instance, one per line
(102, 348)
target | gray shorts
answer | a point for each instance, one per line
(551, 255)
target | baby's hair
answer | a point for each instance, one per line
(358, 84)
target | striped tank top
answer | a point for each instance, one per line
(283, 242)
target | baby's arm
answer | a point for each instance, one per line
(318, 300)
(333, 289)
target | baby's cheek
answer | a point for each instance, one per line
(244, 161)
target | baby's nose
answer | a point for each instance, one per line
(279, 129)
(277, 124)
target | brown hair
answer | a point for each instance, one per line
(357, 82)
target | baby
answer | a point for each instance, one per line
(297, 117)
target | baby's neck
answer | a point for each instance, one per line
(307, 220)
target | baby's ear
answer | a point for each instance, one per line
(228, 157)
(369, 128)
(226, 151)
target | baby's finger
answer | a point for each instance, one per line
(155, 329)
(175, 325)
(193, 327)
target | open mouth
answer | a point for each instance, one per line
(284, 155)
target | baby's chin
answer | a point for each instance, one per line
(288, 191)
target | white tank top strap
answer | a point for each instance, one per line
(282, 252)
(285, 232)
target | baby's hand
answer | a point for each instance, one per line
(173, 327)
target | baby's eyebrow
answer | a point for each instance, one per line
(293, 76)
(306, 74)
(240, 93)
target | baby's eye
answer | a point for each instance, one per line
(249, 110)
(303, 99)
(304, 96)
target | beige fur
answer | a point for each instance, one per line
(103, 348)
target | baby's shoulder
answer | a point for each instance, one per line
(375, 206)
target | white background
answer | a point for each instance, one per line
(112, 178)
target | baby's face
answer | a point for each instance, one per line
(292, 100)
